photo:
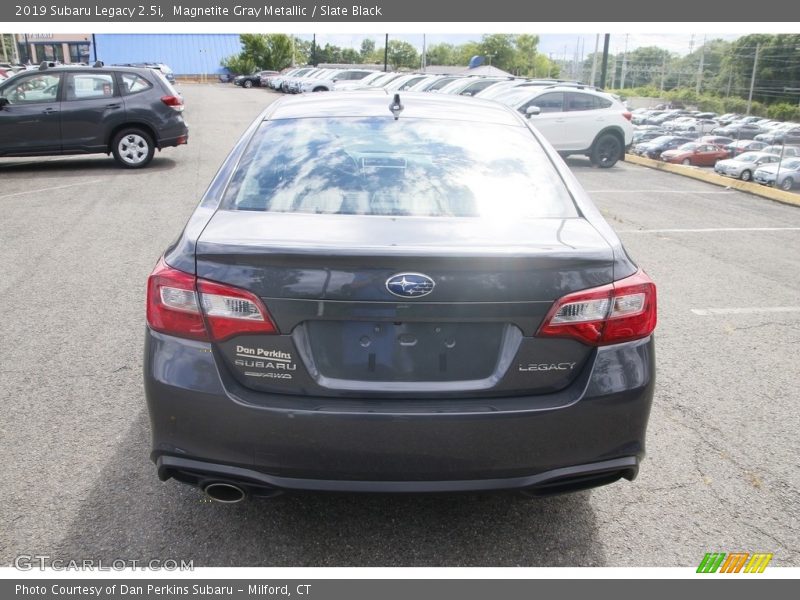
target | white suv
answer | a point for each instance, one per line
(580, 120)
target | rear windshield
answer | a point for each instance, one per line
(408, 167)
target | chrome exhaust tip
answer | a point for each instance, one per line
(227, 493)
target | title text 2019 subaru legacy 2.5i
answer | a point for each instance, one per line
(397, 294)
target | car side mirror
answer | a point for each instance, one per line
(3, 102)
(532, 111)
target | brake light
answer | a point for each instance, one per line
(627, 115)
(183, 305)
(174, 102)
(610, 314)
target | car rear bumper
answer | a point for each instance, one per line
(205, 428)
(175, 136)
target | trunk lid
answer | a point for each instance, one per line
(323, 279)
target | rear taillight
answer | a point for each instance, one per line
(183, 305)
(627, 115)
(617, 312)
(174, 102)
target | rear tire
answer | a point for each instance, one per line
(606, 151)
(320, 89)
(787, 184)
(686, 162)
(133, 148)
(746, 175)
(248, 84)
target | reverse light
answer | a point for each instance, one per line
(627, 115)
(231, 311)
(183, 305)
(610, 314)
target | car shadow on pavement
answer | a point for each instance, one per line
(79, 166)
(129, 514)
(577, 163)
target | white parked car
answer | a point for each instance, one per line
(328, 81)
(701, 126)
(578, 120)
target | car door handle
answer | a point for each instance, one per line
(49, 111)
(114, 105)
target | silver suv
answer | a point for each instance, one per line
(579, 120)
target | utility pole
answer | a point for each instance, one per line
(604, 67)
(594, 58)
(753, 79)
(613, 72)
(663, 71)
(386, 54)
(3, 40)
(700, 67)
(314, 50)
(424, 58)
(15, 47)
(730, 81)
(624, 63)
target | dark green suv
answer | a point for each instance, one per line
(127, 112)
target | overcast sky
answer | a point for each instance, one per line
(557, 43)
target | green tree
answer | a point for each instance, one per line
(402, 54)
(367, 50)
(351, 56)
(499, 49)
(441, 54)
(525, 55)
(465, 52)
(261, 51)
(302, 51)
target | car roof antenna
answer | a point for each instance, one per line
(396, 107)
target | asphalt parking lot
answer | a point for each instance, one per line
(79, 237)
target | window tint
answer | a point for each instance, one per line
(132, 83)
(410, 167)
(85, 86)
(411, 82)
(476, 87)
(578, 101)
(552, 102)
(32, 89)
(441, 83)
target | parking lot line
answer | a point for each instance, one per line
(50, 189)
(708, 230)
(659, 192)
(706, 312)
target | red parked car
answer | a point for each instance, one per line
(701, 155)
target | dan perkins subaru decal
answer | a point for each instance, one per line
(270, 364)
(410, 285)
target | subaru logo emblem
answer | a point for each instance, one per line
(410, 285)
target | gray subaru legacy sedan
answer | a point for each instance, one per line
(397, 293)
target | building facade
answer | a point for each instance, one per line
(186, 54)
(61, 47)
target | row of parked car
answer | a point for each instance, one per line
(745, 147)
(733, 125)
(574, 117)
